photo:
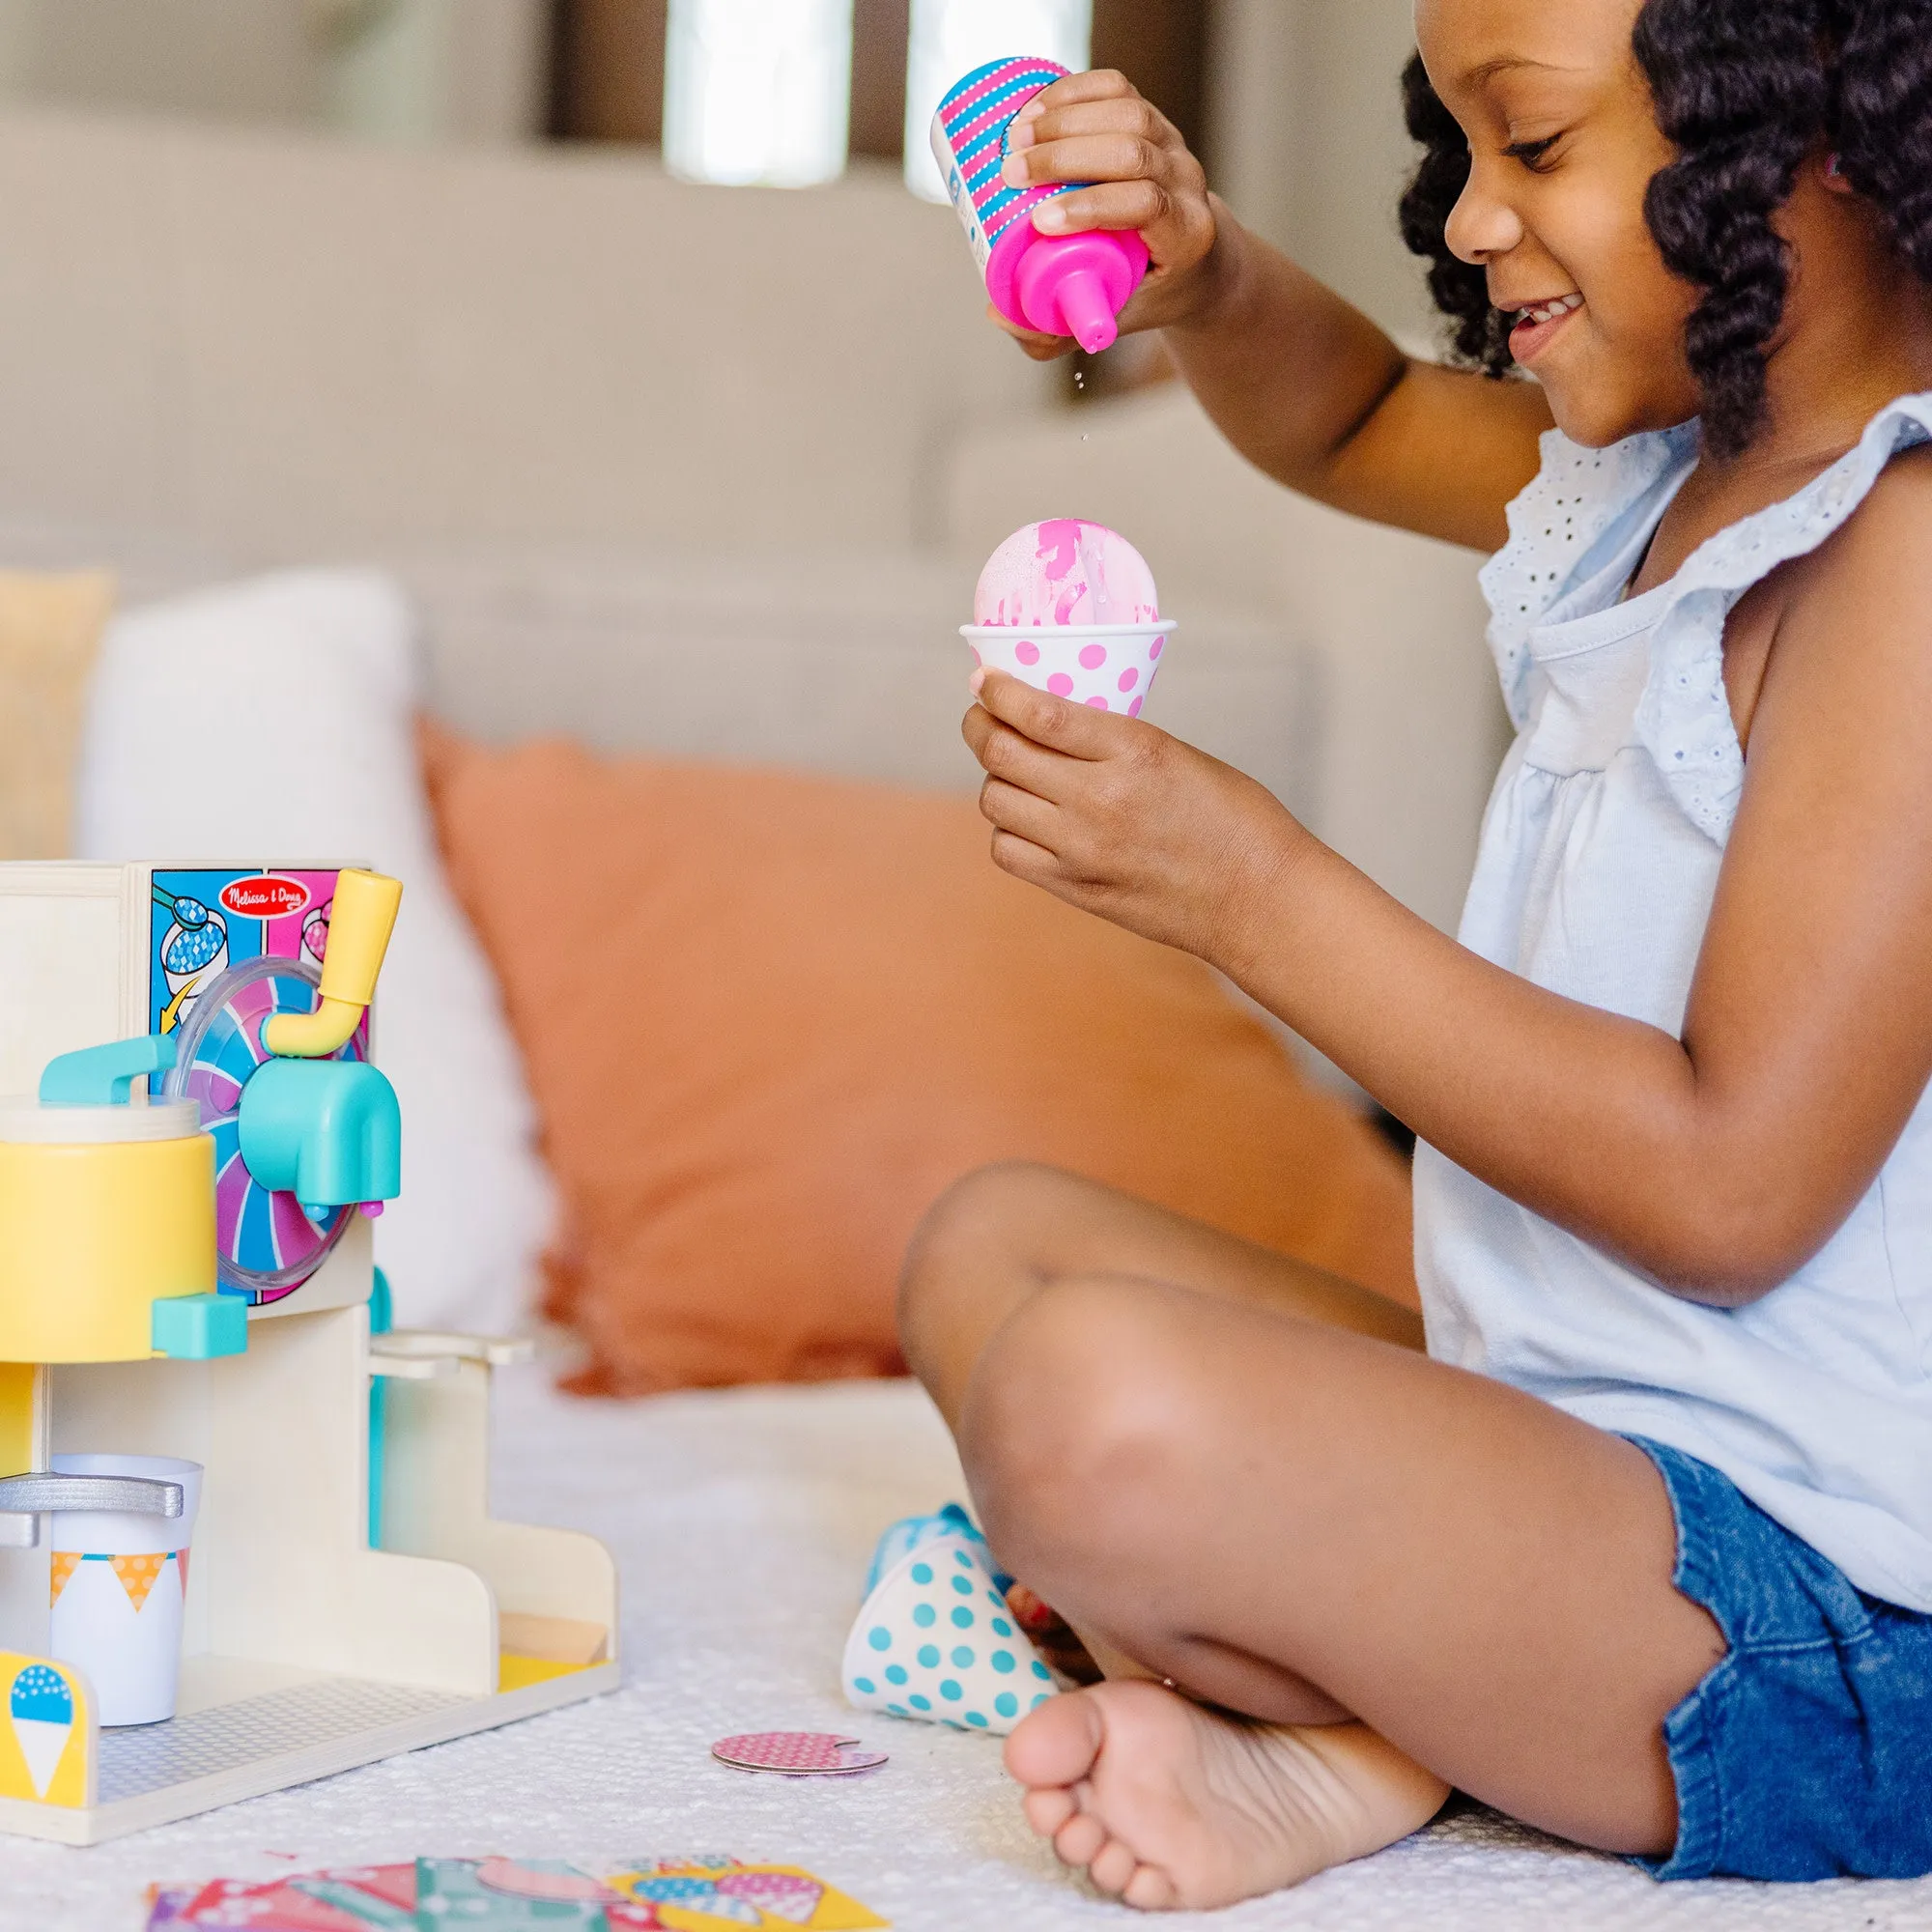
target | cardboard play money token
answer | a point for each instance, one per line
(797, 1753)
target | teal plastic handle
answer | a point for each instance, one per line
(103, 1076)
(327, 1131)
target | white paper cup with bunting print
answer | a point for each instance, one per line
(119, 1586)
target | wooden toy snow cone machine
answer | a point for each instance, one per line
(244, 1528)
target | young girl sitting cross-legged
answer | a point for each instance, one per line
(1631, 1534)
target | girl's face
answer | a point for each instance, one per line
(1563, 143)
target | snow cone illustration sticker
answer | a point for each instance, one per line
(193, 951)
(43, 1714)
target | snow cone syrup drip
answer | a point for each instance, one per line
(1060, 284)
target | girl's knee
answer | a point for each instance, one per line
(970, 1238)
(1079, 1420)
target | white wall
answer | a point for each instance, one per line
(400, 69)
(302, 347)
(1310, 148)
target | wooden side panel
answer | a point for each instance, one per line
(291, 1577)
(436, 1503)
(70, 958)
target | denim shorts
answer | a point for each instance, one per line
(1807, 1753)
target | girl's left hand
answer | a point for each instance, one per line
(1118, 818)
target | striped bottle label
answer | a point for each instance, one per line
(969, 141)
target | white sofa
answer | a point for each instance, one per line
(703, 472)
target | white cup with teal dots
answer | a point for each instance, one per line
(936, 1641)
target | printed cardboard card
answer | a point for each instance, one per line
(706, 1893)
(708, 1896)
(391, 1885)
(371, 1901)
(496, 1892)
(276, 1905)
(332, 1901)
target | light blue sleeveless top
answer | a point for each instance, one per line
(1598, 861)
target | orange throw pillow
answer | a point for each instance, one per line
(769, 1018)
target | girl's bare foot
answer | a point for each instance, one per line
(1169, 1806)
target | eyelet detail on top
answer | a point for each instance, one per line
(1684, 717)
(1572, 501)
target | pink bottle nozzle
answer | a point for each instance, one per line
(1078, 284)
(1086, 313)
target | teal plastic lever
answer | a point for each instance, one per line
(103, 1076)
(327, 1131)
(201, 1327)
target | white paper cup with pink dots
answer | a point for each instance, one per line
(1109, 667)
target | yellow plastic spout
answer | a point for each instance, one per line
(359, 925)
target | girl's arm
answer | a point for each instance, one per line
(1308, 389)
(1717, 1163)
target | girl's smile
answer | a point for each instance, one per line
(1538, 323)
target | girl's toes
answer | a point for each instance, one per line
(1112, 1867)
(1058, 1743)
(1047, 1810)
(1149, 1890)
(1079, 1841)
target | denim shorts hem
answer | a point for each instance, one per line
(1688, 1730)
(1805, 1753)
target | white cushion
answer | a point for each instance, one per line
(272, 722)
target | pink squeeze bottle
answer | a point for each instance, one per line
(1060, 284)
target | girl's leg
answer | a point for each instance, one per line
(1230, 1471)
(1003, 1233)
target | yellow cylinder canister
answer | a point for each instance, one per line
(104, 1210)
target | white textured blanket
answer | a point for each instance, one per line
(744, 1522)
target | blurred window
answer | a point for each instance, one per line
(607, 73)
(951, 38)
(757, 92)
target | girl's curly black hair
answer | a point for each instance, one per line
(1744, 90)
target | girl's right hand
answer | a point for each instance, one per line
(1095, 128)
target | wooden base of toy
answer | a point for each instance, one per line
(307, 1652)
(247, 1729)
